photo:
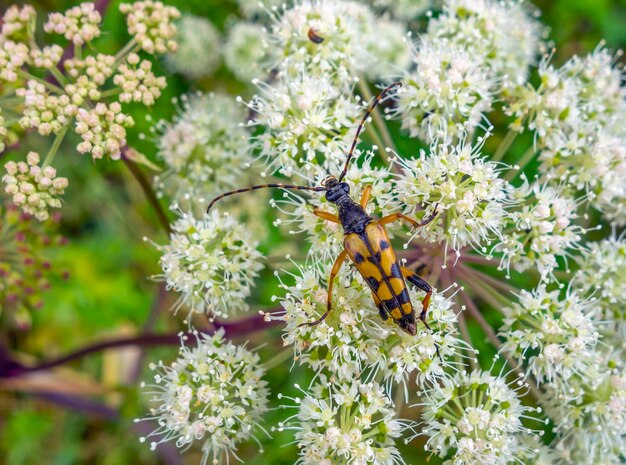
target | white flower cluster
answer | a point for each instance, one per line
(244, 50)
(205, 148)
(98, 68)
(151, 25)
(47, 57)
(353, 339)
(46, 112)
(576, 114)
(465, 188)
(197, 53)
(80, 24)
(213, 394)
(541, 229)
(500, 35)
(331, 38)
(447, 94)
(475, 418)
(211, 262)
(102, 130)
(138, 82)
(33, 188)
(303, 118)
(602, 275)
(555, 337)
(346, 424)
(403, 9)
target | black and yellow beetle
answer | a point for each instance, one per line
(366, 243)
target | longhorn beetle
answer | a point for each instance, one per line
(366, 243)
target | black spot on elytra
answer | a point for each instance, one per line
(384, 244)
(373, 283)
(395, 271)
(383, 312)
(358, 258)
(403, 297)
(375, 258)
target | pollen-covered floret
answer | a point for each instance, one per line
(34, 188)
(212, 262)
(474, 418)
(197, 54)
(213, 394)
(465, 188)
(205, 148)
(346, 424)
(554, 336)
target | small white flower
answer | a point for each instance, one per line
(80, 24)
(470, 196)
(213, 393)
(403, 9)
(151, 25)
(346, 424)
(212, 262)
(33, 188)
(12, 57)
(555, 337)
(197, 54)
(3, 132)
(18, 23)
(474, 418)
(447, 94)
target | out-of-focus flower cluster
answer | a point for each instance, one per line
(58, 95)
(25, 269)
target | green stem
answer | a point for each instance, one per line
(47, 84)
(379, 143)
(277, 359)
(148, 191)
(58, 75)
(379, 121)
(110, 92)
(10, 101)
(129, 48)
(54, 148)
(519, 167)
(78, 52)
(504, 145)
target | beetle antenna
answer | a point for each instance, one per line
(263, 186)
(367, 114)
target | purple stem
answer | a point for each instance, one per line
(10, 368)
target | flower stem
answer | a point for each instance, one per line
(47, 84)
(277, 359)
(130, 47)
(379, 143)
(521, 164)
(110, 92)
(147, 189)
(58, 75)
(54, 148)
(504, 145)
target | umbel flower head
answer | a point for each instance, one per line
(213, 394)
(205, 148)
(211, 261)
(346, 424)
(244, 50)
(474, 418)
(33, 188)
(465, 188)
(554, 336)
(197, 54)
(354, 339)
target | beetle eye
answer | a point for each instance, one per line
(345, 187)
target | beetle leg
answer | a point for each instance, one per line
(326, 216)
(329, 301)
(365, 197)
(414, 279)
(396, 216)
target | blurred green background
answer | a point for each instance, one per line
(108, 293)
